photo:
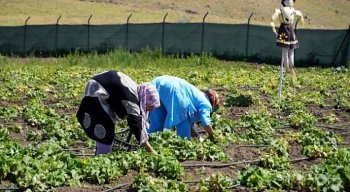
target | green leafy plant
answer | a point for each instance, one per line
(237, 99)
(301, 119)
(217, 182)
(318, 143)
(144, 182)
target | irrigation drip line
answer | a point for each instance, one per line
(77, 149)
(283, 127)
(117, 187)
(240, 87)
(84, 155)
(69, 113)
(220, 165)
(9, 189)
(195, 181)
(18, 123)
(330, 127)
(337, 127)
(239, 146)
(233, 186)
(345, 133)
(238, 163)
(8, 117)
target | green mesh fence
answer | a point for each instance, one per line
(227, 41)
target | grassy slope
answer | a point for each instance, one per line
(326, 14)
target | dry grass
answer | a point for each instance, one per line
(326, 14)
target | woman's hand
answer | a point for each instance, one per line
(149, 148)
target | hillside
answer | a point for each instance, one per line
(326, 14)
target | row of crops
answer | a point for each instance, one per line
(298, 144)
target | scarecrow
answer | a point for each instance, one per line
(286, 37)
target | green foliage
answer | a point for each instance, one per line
(318, 143)
(4, 134)
(330, 119)
(260, 126)
(343, 100)
(259, 178)
(144, 182)
(8, 112)
(21, 165)
(215, 183)
(277, 156)
(169, 144)
(301, 119)
(238, 99)
(47, 93)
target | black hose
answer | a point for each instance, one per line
(238, 163)
(283, 127)
(345, 133)
(301, 159)
(195, 181)
(83, 155)
(252, 146)
(117, 187)
(10, 189)
(233, 186)
(219, 165)
(77, 149)
(331, 127)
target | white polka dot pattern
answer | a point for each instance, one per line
(87, 121)
(99, 131)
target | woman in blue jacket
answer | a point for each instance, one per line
(182, 105)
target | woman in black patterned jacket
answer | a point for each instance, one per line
(113, 94)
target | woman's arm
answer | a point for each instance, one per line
(135, 124)
(204, 114)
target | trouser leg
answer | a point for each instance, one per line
(103, 148)
(184, 130)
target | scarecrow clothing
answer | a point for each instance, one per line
(287, 16)
(107, 96)
(182, 104)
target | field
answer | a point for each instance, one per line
(325, 14)
(298, 144)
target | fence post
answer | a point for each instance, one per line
(341, 45)
(295, 31)
(163, 32)
(57, 33)
(25, 36)
(247, 39)
(348, 46)
(127, 32)
(202, 42)
(88, 37)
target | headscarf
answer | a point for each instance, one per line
(148, 96)
(213, 98)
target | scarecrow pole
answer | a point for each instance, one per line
(280, 84)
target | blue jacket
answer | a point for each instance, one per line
(182, 101)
